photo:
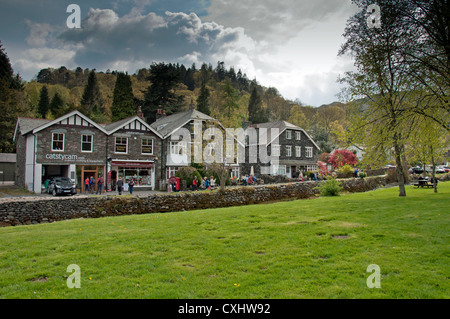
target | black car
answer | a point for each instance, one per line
(416, 170)
(61, 186)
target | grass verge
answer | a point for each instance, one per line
(317, 248)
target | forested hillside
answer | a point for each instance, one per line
(223, 93)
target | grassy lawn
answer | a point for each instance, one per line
(317, 248)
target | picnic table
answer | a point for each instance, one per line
(424, 183)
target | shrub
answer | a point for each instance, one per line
(330, 188)
(345, 171)
(187, 174)
(362, 175)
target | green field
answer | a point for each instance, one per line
(318, 248)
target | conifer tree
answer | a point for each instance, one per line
(91, 95)
(44, 103)
(203, 100)
(123, 99)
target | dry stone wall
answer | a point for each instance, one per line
(27, 212)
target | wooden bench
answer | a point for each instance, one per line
(423, 183)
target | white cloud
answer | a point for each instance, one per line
(30, 61)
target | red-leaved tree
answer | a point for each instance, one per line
(341, 157)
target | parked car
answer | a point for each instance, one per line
(416, 170)
(440, 170)
(446, 169)
(61, 186)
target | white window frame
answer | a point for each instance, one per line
(275, 150)
(170, 170)
(279, 170)
(298, 135)
(177, 148)
(288, 134)
(115, 145)
(147, 139)
(288, 151)
(298, 151)
(58, 141)
(91, 142)
(309, 152)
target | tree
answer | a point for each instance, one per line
(57, 105)
(229, 98)
(91, 95)
(297, 117)
(256, 112)
(381, 78)
(123, 99)
(340, 158)
(203, 100)
(44, 103)
(12, 102)
(161, 92)
(429, 144)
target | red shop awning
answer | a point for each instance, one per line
(133, 164)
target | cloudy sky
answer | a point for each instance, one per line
(288, 44)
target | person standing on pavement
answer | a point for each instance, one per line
(86, 184)
(131, 185)
(119, 185)
(99, 185)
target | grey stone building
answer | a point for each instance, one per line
(74, 146)
(289, 149)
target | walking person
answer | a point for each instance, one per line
(131, 185)
(194, 184)
(91, 184)
(86, 184)
(119, 185)
(99, 185)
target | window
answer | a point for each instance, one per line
(177, 148)
(309, 152)
(298, 151)
(275, 150)
(279, 169)
(121, 145)
(288, 151)
(171, 171)
(86, 143)
(58, 142)
(288, 135)
(147, 146)
(298, 136)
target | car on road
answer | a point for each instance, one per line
(440, 170)
(61, 186)
(416, 170)
(446, 169)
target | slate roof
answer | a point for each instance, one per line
(167, 125)
(7, 158)
(281, 126)
(27, 124)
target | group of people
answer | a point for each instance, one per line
(89, 185)
(120, 184)
(249, 180)
(312, 177)
(205, 183)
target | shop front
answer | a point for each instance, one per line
(142, 172)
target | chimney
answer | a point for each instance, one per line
(192, 106)
(246, 124)
(158, 114)
(139, 113)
